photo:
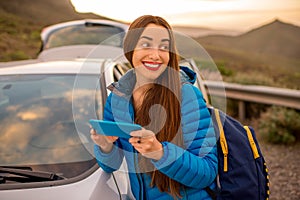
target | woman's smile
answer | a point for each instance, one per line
(153, 66)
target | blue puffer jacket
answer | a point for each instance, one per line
(195, 167)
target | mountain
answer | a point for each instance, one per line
(275, 38)
(272, 49)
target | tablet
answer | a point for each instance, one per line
(109, 128)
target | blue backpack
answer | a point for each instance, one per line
(242, 169)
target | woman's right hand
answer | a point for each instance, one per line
(104, 142)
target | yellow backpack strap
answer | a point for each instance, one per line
(223, 141)
(252, 143)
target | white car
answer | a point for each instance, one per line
(45, 105)
(46, 151)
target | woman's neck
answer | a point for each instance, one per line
(139, 94)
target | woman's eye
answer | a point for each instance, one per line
(164, 47)
(145, 45)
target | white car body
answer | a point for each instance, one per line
(95, 60)
(91, 184)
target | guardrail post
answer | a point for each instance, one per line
(242, 111)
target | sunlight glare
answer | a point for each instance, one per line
(216, 13)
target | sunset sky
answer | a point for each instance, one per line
(240, 15)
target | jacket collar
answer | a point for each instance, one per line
(125, 85)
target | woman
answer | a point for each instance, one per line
(174, 155)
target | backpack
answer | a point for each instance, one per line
(242, 170)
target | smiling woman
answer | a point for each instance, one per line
(158, 95)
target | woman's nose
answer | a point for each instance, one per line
(154, 53)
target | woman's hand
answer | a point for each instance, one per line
(104, 142)
(146, 143)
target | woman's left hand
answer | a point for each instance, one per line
(146, 143)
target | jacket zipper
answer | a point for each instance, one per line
(135, 158)
(138, 175)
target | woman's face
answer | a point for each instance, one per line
(151, 54)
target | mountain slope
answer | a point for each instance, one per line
(270, 52)
(275, 38)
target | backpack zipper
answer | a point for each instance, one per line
(223, 142)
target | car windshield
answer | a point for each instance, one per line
(85, 34)
(37, 122)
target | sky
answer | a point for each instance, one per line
(239, 15)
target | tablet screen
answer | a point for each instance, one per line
(109, 128)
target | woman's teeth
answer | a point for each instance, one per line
(151, 65)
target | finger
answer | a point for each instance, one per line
(142, 133)
(93, 137)
(92, 132)
(137, 133)
(112, 138)
(135, 140)
(138, 140)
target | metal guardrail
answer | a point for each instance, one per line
(243, 93)
(254, 93)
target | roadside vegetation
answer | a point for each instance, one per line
(19, 39)
(280, 125)
(273, 124)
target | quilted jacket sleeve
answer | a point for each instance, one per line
(113, 160)
(196, 165)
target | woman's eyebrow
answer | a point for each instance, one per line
(165, 40)
(151, 39)
(146, 37)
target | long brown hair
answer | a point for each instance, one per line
(166, 93)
